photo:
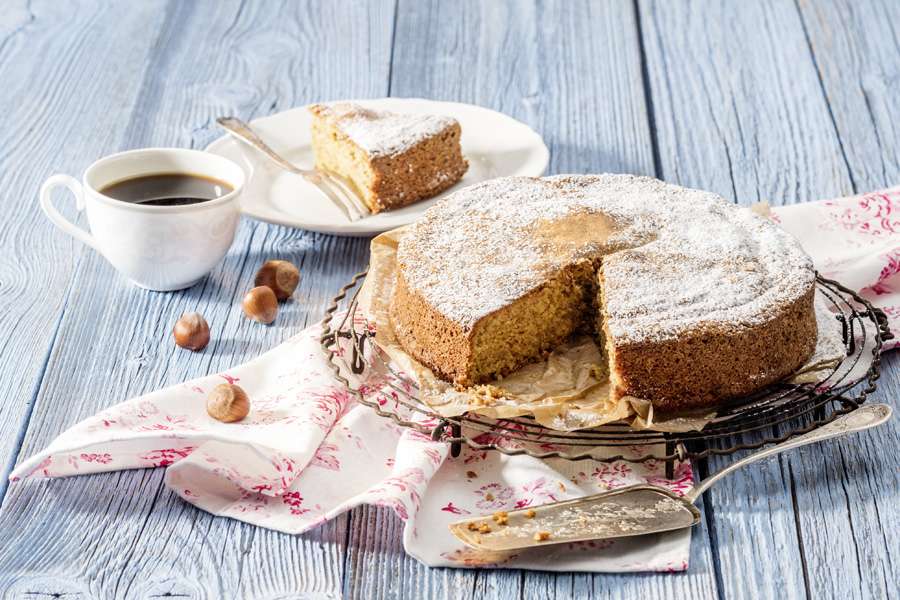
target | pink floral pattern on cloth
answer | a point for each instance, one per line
(855, 241)
(309, 452)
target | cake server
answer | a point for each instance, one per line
(632, 510)
(335, 187)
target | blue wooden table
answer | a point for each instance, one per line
(786, 101)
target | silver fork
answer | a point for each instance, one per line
(335, 187)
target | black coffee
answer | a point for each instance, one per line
(167, 189)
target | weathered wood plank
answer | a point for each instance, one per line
(853, 486)
(378, 567)
(856, 46)
(740, 110)
(734, 99)
(737, 104)
(572, 71)
(40, 120)
(124, 534)
(847, 498)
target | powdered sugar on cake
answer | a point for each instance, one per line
(675, 259)
(382, 133)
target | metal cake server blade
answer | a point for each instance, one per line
(632, 510)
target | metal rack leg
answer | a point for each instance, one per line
(670, 462)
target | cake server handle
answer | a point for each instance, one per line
(862, 418)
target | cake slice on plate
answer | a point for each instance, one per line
(391, 159)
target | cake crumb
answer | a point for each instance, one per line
(485, 395)
(471, 474)
(484, 528)
(599, 372)
(489, 497)
(529, 514)
(472, 526)
(501, 517)
(542, 536)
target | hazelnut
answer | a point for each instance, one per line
(280, 276)
(260, 304)
(228, 403)
(191, 331)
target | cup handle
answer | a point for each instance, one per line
(56, 217)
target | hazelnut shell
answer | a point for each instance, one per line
(279, 275)
(191, 331)
(228, 403)
(260, 304)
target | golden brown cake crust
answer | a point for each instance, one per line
(708, 367)
(700, 301)
(425, 170)
(434, 340)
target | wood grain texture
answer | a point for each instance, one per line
(855, 46)
(124, 534)
(37, 263)
(855, 484)
(740, 109)
(771, 100)
(737, 103)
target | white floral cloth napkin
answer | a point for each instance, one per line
(308, 452)
(855, 241)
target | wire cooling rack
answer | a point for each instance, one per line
(769, 416)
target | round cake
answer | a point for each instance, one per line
(693, 300)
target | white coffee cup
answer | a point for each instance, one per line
(160, 248)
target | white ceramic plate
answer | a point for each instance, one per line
(494, 144)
